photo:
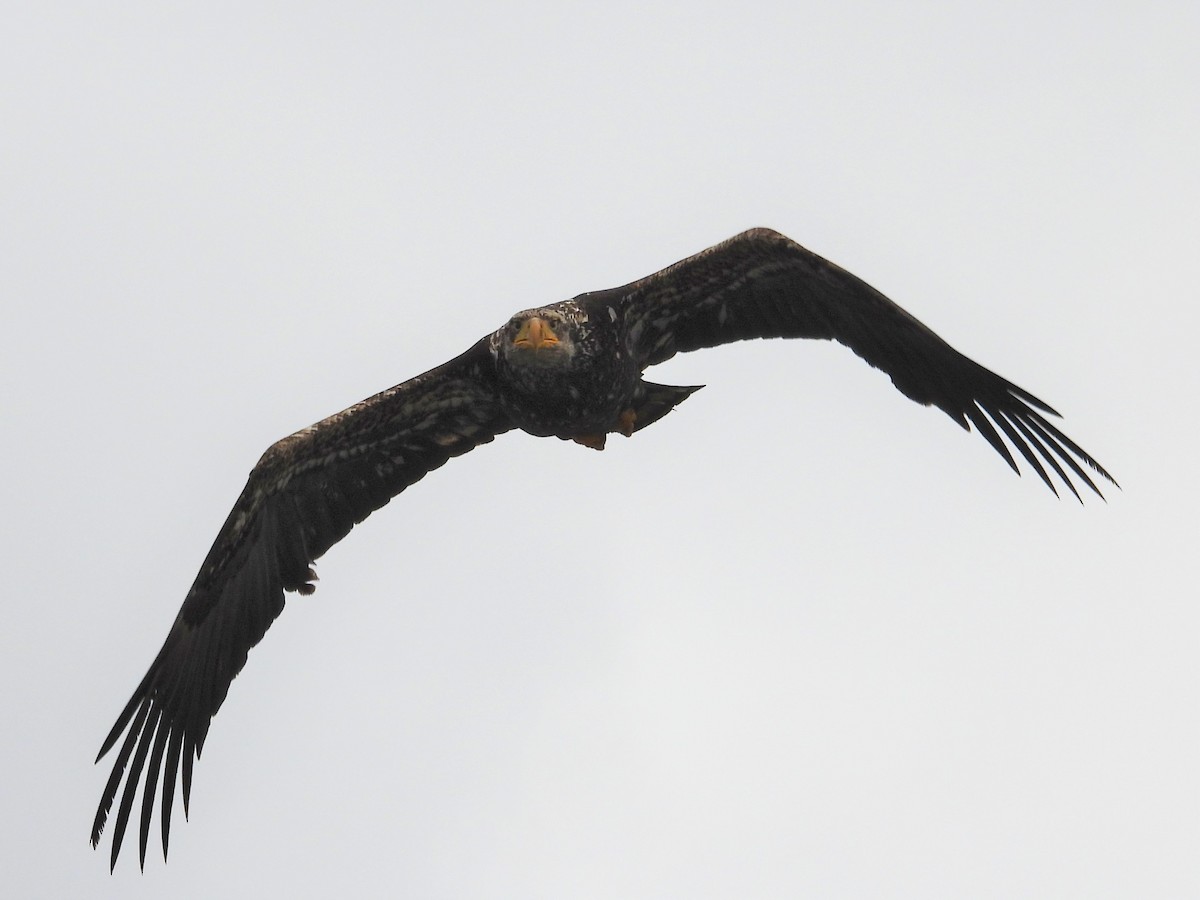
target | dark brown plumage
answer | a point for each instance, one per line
(571, 370)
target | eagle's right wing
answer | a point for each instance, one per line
(305, 495)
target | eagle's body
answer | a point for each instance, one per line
(572, 378)
(578, 377)
(572, 370)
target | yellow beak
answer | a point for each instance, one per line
(535, 334)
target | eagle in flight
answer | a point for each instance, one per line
(572, 370)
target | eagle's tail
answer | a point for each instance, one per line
(658, 400)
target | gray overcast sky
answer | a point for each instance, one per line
(802, 638)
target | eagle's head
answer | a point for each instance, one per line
(548, 337)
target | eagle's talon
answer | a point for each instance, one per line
(625, 424)
(595, 441)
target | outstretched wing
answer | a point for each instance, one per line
(760, 284)
(304, 496)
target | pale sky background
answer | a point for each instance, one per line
(802, 638)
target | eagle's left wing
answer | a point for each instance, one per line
(761, 284)
(305, 495)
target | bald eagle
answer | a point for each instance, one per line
(571, 370)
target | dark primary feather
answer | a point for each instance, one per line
(761, 284)
(305, 494)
